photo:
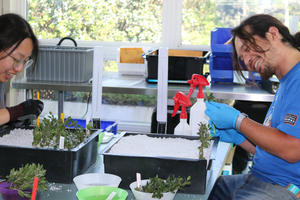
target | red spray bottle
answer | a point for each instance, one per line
(183, 127)
(197, 112)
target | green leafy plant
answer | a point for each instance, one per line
(158, 186)
(210, 97)
(48, 133)
(22, 179)
(205, 137)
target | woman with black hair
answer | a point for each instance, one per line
(18, 50)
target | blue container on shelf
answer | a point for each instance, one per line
(103, 125)
(219, 75)
(219, 36)
(220, 62)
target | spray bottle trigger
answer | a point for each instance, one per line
(176, 107)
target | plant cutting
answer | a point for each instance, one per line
(49, 131)
(158, 188)
(204, 134)
(19, 182)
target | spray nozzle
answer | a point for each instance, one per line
(181, 100)
(200, 81)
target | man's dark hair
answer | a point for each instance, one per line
(259, 25)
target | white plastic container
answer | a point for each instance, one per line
(197, 115)
(148, 196)
(197, 112)
(96, 179)
(183, 128)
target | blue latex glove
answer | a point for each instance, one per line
(229, 136)
(222, 115)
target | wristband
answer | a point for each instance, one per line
(239, 120)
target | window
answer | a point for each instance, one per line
(100, 20)
(149, 22)
(201, 16)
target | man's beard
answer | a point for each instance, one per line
(267, 72)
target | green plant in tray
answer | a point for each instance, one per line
(48, 133)
(22, 179)
(205, 137)
(158, 186)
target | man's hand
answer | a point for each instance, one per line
(222, 115)
(229, 135)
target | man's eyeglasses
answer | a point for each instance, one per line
(26, 63)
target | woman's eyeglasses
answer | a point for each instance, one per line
(26, 63)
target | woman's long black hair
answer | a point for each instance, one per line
(13, 30)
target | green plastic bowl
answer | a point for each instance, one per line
(101, 193)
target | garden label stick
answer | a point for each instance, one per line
(38, 118)
(111, 196)
(34, 188)
(62, 117)
(138, 180)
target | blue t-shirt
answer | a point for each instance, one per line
(283, 114)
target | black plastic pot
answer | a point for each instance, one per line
(127, 166)
(61, 165)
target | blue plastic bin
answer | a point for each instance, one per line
(217, 42)
(220, 62)
(103, 125)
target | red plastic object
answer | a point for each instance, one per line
(34, 188)
(181, 100)
(200, 81)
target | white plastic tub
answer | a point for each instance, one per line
(96, 179)
(148, 196)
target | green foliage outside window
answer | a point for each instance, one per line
(101, 20)
(141, 21)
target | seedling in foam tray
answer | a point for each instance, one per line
(204, 134)
(50, 130)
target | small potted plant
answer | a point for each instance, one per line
(157, 188)
(19, 183)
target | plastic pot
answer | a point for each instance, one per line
(96, 179)
(101, 192)
(148, 196)
(9, 194)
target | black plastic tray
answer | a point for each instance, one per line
(127, 166)
(180, 69)
(61, 165)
